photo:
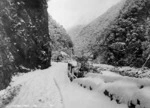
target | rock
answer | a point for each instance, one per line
(24, 36)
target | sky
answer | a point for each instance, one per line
(70, 13)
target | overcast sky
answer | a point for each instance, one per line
(75, 12)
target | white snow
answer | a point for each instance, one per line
(126, 90)
(73, 63)
(2, 92)
(104, 66)
(63, 53)
(94, 83)
(121, 90)
(38, 90)
(51, 88)
(108, 73)
(77, 97)
(143, 95)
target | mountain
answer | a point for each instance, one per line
(74, 32)
(127, 39)
(119, 37)
(88, 34)
(24, 37)
(61, 41)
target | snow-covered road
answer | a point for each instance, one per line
(38, 91)
(51, 88)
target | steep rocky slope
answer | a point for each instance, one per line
(24, 37)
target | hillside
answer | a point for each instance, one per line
(88, 35)
(74, 32)
(60, 39)
(127, 40)
(120, 36)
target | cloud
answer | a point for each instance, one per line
(74, 12)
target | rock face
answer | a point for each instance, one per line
(24, 37)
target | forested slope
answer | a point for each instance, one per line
(127, 40)
(120, 36)
(88, 35)
(74, 32)
(61, 41)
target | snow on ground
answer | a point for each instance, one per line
(76, 97)
(121, 90)
(143, 96)
(125, 71)
(108, 73)
(91, 83)
(38, 90)
(134, 92)
(51, 88)
(103, 66)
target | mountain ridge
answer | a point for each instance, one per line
(120, 36)
(91, 30)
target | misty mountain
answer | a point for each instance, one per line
(88, 34)
(74, 32)
(61, 41)
(120, 36)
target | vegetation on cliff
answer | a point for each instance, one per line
(24, 37)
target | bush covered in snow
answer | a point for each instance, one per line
(133, 92)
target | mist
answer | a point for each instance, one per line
(70, 13)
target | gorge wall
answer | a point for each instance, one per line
(24, 37)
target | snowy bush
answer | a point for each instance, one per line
(90, 83)
(142, 98)
(120, 90)
(124, 90)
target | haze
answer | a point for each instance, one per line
(70, 13)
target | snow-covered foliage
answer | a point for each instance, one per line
(51, 88)
(134, 92)
(73, 62)
(124, 71)
(90, 83)
(59, 37)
